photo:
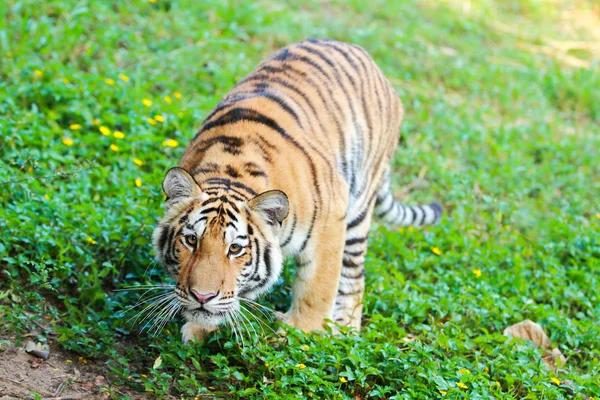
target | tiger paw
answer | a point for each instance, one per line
(191, 333)
(305, 324)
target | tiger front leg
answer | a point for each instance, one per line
(317, 277)
(191, 332)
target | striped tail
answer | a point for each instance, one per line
(396, 213)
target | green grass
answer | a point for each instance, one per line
(507, 139)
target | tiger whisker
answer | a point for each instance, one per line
(172, 310)
(154, 262)
(145, 287)
(157, 315)
(244, 319)
(152, 308)
(238, 327)
(255, 307)
(259, 320)
(231, 323)
(144, 301)
(277, 313)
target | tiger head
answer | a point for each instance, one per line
(219, 247)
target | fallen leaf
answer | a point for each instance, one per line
(553, 358)
(157, 362)
(409, 338)
(36, 362)
(100, 381)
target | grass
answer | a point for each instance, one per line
(503, 107)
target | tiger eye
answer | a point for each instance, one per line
(235, 248)
(191, 239)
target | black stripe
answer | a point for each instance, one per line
(356, 276)
(381, 214)
(422, 215)
(341, 292)
(231, 171)
(231, 215)
(351, 264)
(350, 242)
(309, 233)
(162, 237)
(211, 210)
(229, 183)
(357, 221)
(354, 253)
(291, 234)
(201, 219)
(228, 141)
(228, 189)
(206, 202)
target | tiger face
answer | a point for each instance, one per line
(219, 247)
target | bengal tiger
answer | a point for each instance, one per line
(293, 161)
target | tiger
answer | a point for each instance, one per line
(292, 162)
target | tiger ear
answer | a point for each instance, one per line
(179, 185)
(272, 206)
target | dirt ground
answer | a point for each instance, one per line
(62, 376)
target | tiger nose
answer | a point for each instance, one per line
(203, 297)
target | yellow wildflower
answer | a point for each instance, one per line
(170, 143)
(109, 81)
(95, 121)
(90, 240)
(464, 371)
(114, 147)
(152, 1)
(47, 197)
(69, 361)
(267, 364)
(300, 366)
(486, 369)
(38, 73)
(68, 141)
(138, 182)
(151, 121)
(147, 102)
(177, 95)
(119, 134)
(137, 161)
(435, 250)
(104, 130)
(66, 81)
(343, 380)
(124, 77)
(159, 118)
(411, 229)
(75, 126)
(555, 380)
(443, 392)
(461, 385)
(598, 216)
(477, 273)
(168, 99)
(305, 347)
